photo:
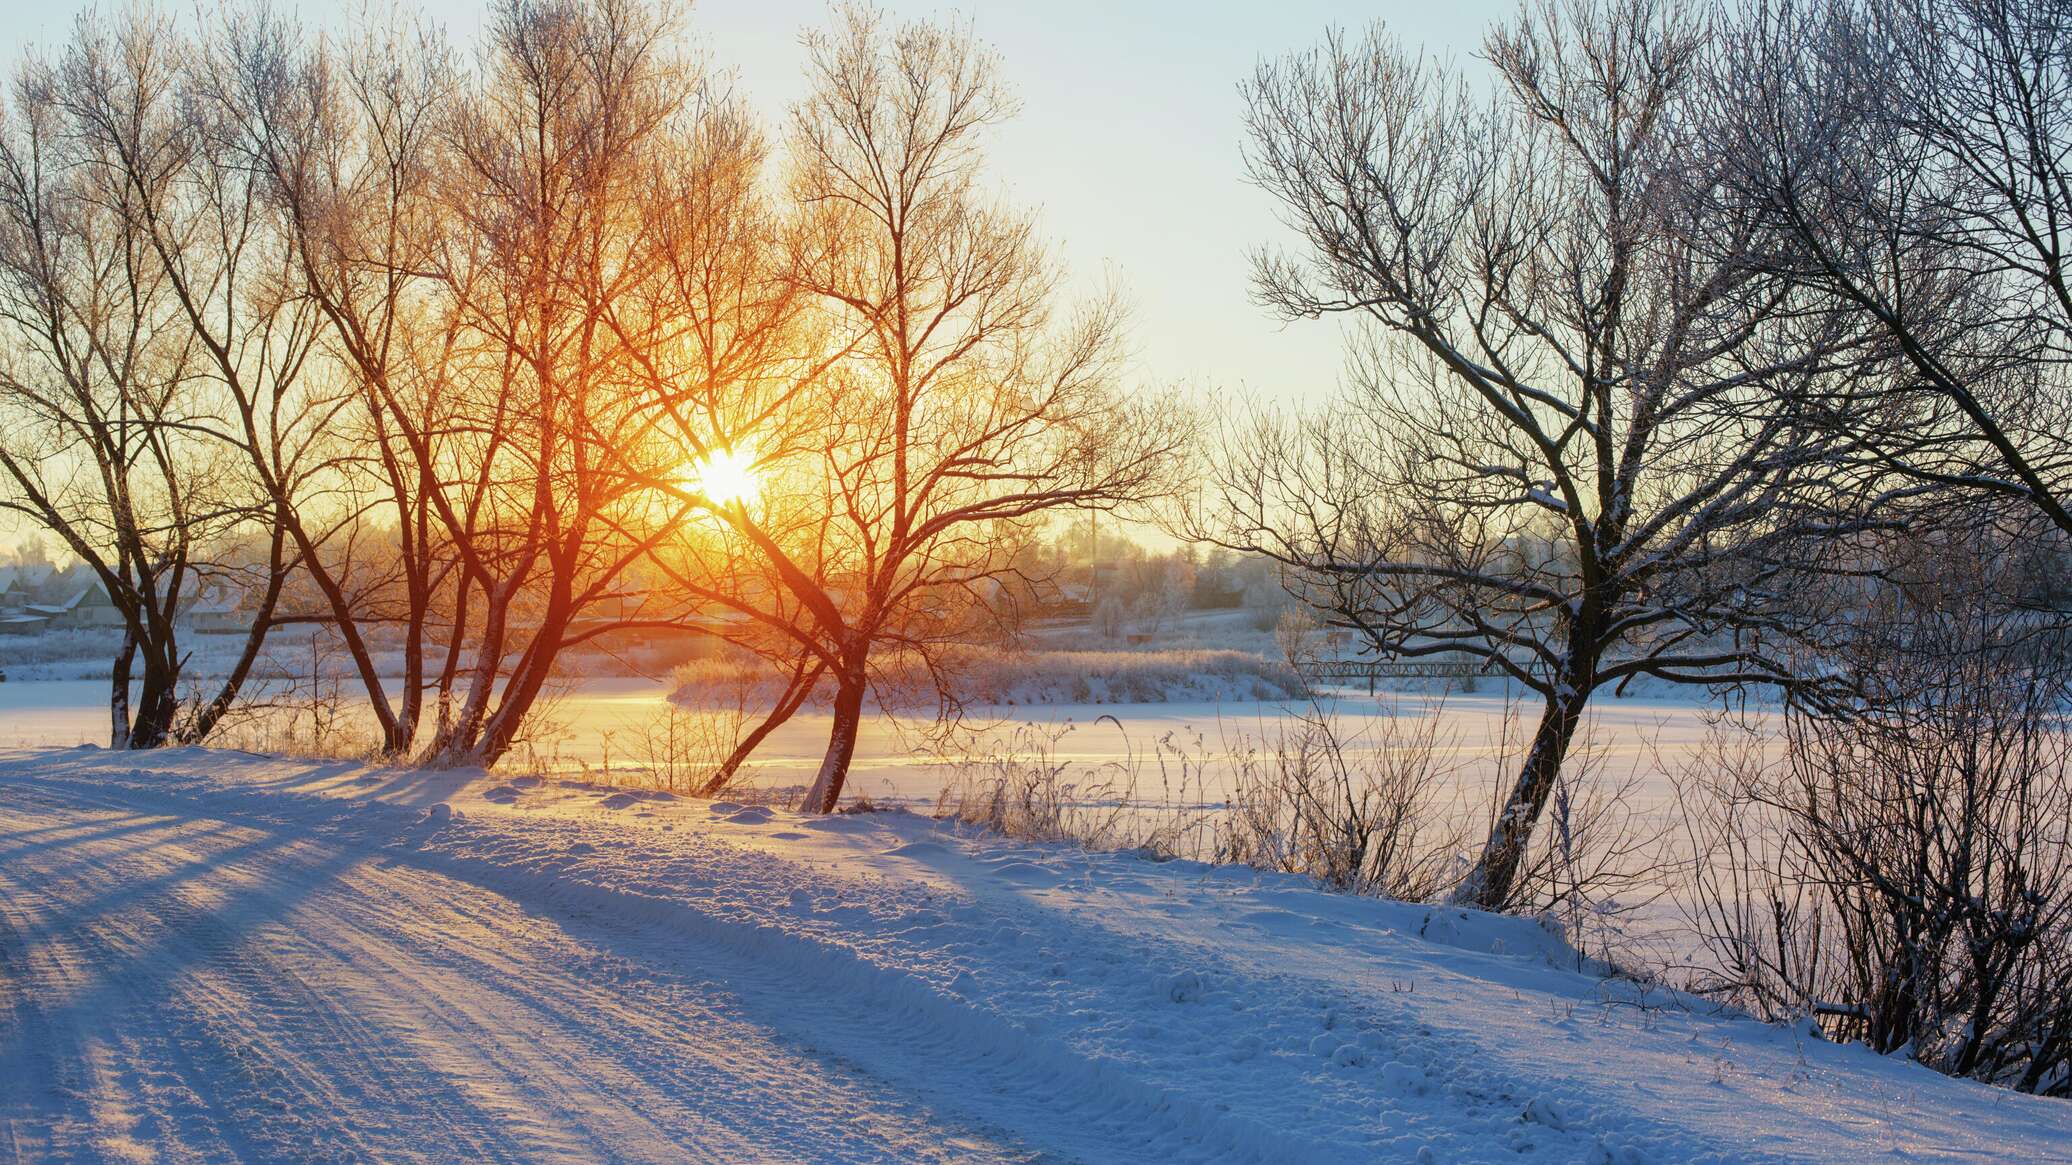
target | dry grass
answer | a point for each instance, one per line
(1388, 811)
(1364, 813)
(1020, 786)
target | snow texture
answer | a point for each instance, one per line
(209, 956)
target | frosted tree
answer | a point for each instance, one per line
(960, 401)
(490, 262)
(138, 326)
(1561, 454)
(1911, 161)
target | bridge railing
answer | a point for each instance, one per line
(1371, 670)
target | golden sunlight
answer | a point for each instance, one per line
(727, 476)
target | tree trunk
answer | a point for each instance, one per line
(450, 670)
(1490, 883)
(345, 618)
(841, 745)
(457, 744)
(794, 698)
(500, 731)
(412, 695)
(206, 718)
(118, 692)
(197, 727)
(482, 737)
(157, 702)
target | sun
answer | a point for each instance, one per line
(727, 476)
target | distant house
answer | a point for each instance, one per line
(86, 609)
(39, 597)
(1072, 600)
(73, 598)
(220, 610)
(22, 585)
(59, 615)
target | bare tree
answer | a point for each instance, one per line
(1561, 456)
(491, 257)
(136, 315)
(1912, 160)
(958, 404)
(339, 145)
(726, 347)
(546, 164)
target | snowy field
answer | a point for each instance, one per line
(207, 956)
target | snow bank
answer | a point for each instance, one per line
(1091, 1007)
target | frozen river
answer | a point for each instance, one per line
(601, 724)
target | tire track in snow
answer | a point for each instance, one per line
(667, 1042)
(1001, 1081)
(897, 1028)
(41, 960)
(301, 995)
(1001, 1013)
(182, 1027)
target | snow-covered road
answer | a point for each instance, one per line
(180, 987)
(216, 957)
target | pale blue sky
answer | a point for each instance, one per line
(1128, 143)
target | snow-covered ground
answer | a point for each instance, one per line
(210, 956)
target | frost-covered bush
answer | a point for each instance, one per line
(1367, 816)
(1022, 786)
(1904, 873)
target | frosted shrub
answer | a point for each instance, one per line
(1903, 874)
(1023, 788)
(1361, 816)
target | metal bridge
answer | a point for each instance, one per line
(1371, 670)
